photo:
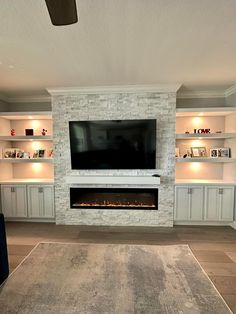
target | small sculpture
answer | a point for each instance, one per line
(13, 132)
(44, 132)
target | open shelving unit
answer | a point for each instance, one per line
(17, 169)
(221, 122)
(206, 159)
(26, 160)
(26, 138)
(201, 136)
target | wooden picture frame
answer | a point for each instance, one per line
(224, 152)
(198, 152)
(214, 153)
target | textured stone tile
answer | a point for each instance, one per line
(159, 106)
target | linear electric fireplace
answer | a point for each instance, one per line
(113, 198)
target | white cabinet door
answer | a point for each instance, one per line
(212, 203)
(189, 203)
(196, 203)
(14, 201)
(41, 201)
(226, 203)
(219, 204)
(181, 203)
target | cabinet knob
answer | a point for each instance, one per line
(40, 190)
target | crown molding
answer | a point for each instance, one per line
(160, 88)
(201, 94)
(26, 99)
(230, 91)
(33, 99)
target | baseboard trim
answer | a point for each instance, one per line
(233, 225)
(49, 220)
(202, 223)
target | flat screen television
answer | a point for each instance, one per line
(116, 144)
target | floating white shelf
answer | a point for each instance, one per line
(203, 181)
(207, 111)
(29, 115)
(26, 138)
(26, 160)
(210, 136)
(205, 159)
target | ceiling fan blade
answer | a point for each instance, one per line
(62, 12)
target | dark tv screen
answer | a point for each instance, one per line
(116, 144)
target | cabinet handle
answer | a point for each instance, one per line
(40, 190)
(221, 191)
(189, 190)
(12, 189)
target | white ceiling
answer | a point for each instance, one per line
(118, 42)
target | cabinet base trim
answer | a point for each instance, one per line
(233, 224)
(49, 220)
(202, 223)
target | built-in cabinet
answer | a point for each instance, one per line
(189, 203)
(40, 201)
(204, 203)
(219, 203)
(205, 166)
(206, 144)
(28, 201)
(26, 150)
(14, 201)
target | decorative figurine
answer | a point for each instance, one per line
(13, 132)
(44, 132)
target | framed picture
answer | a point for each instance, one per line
(36, 154)
(29, 132)
(198, 151)
(19, 153)
(9, 152)
(13, 153)
(26, 155)
(188, 153)
(224, 152)
(214, 153)
(176, 151)
(41, 153)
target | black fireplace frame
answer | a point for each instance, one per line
(115, 190)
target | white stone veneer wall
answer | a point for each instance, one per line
(115, 106)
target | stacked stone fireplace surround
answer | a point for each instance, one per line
(82, 106)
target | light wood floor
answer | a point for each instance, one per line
(214, 247)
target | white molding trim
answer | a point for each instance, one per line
(26, 99)
(114, 180)
(33, 99)
(233, 224)
(230, 91)
(159, 88)
(201, 94)
(206, 109)
(201, 223)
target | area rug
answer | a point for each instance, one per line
(110, 278)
